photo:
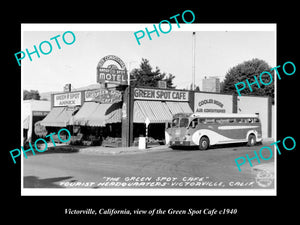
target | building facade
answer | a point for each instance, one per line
(118, 115)
(119, 118)
(33, 112)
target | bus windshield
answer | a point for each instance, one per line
(180, 122)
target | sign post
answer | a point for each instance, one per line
(147, 122)
(115, 72)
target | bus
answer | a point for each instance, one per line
(207, 129)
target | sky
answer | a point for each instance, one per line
(218, 48)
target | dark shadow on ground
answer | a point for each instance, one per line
(195, 148)
(57, 149)
(35, 182)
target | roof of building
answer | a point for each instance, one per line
(38, 105)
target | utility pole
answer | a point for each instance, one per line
(193, 60)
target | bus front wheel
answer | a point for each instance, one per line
(203, 143)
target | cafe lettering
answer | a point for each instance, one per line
(154, 94)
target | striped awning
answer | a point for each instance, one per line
(114, 113)
(57, 117)
(97, 115)
(156, 111)
(179, 107)
(80, 118)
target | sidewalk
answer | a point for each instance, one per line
(64, 148)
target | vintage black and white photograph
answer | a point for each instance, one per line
(144, 109)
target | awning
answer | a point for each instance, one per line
(57, 117)
(157, 112)
(179, 107)
(80, 118)
(97, 115)
(114, 113)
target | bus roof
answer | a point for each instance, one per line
(224, 115)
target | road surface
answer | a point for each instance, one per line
(164, 168)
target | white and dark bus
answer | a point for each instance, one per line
(207, 129)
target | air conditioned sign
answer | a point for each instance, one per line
(164, 95)
(213, 103)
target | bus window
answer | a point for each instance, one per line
(222, 121)
(256, 120)
(175, 122)
(242, 120)
(249, 120)
(184, 122)
(231, 120)
(194, 123)
(208, 120)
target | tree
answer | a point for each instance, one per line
(32, 94)
(145, 76)
(247, 70)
